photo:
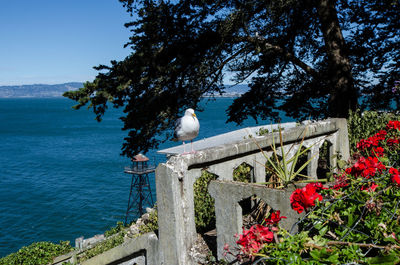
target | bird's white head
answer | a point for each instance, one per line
(190, 112)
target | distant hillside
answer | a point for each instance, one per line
(37, 90)
(238, 89)
(232, 91)
(50, 91)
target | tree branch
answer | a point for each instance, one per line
(288, 55)
(219, 69)
(342, 243)
(361, 245)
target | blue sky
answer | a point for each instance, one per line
(57, 41)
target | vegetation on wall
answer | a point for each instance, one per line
(243, 173)
(115, 236)
(151, 224)
(203, 203)
(37, 253)
(115, 230)
(103, 246)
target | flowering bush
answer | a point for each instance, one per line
(356, 220)
(395, 177)
(384, 143)
(366, 167)
(362, 125)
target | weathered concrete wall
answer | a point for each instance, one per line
(175, 179)
(142, 250)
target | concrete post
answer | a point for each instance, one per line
(342, 139)
(313, 165)
(177, 230)
(170, 216)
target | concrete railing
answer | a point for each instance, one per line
(175, 179)
(174, 186)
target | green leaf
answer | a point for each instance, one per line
(323, 230)
(392, 258)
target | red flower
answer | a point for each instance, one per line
(393, 171)
(275, 218)
(368, 187)
(373, 186)
(296, 201)
(381, 135)
(371, 141)
(396, 179)
(392, 141)
(393, 125)
(248, 243)
(301, 199)
(253, 239)
(365, 167)
(378, 151)
(263, 234)
(317, 185)
(395, 175)
(364, 144)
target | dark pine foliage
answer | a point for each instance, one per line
(307, 58)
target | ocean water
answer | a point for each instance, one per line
(61, 173)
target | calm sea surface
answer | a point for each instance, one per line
(61, 173)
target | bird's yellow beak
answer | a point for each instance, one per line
(194, 115)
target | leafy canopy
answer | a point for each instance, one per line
(306, 58)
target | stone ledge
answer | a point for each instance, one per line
(227, 151)
(145, 245)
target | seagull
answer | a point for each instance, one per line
(187, 128)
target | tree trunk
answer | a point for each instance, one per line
(343, 95)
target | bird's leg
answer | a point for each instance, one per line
(184, 150)
(191, 144)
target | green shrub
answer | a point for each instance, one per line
(242, 173)
(114, 230)
(151, 224)
(203, 203)
(365, 124)
(115, 236)
(37, 253)
(107, 244)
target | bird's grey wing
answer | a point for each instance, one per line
(178, 127)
